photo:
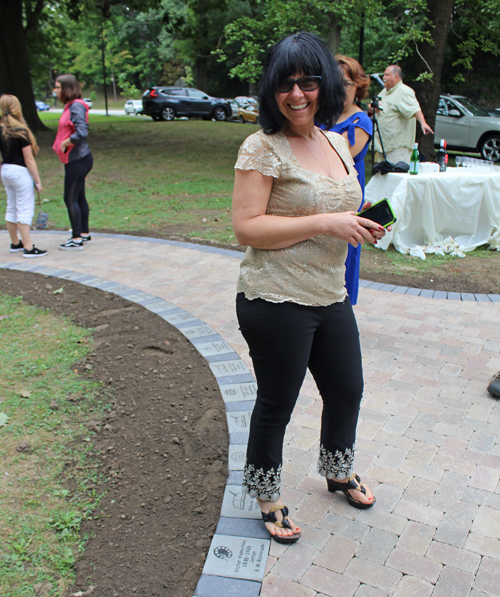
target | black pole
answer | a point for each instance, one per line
(104, 70)
(362, 39)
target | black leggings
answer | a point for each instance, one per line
(74, 193)
(284, 340)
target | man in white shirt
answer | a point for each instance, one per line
(399, 111)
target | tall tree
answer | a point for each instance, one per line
(15, 75)
(431, 58)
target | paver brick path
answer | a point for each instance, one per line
(428, 439)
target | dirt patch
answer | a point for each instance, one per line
(162, 446)
(479, 275)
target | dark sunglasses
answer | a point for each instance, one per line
(304, 83)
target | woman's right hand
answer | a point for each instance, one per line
(38, 186)
(352, 228)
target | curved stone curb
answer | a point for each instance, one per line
(236, 559)
(426, 293)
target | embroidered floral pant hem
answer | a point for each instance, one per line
(284, 340)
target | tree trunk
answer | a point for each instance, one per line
(439, 13)
(201, 74)
(15, 76)
(334, 30)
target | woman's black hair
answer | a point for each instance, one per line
(301, 53)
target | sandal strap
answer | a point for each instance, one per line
(355, 483)
(271, 517)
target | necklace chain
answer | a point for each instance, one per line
(327, 171)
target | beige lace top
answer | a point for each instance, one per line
(311, 272)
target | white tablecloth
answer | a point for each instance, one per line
(435, 209)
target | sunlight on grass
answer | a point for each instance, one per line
(39, 517)
(150, 176)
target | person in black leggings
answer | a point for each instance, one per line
(72, 149)
(295, 205)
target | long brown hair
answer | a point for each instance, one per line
(13, 123)
(355, 72)
(70, 88)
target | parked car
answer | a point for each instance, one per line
(133, 107)
(88, 101)
(244, 100)
(467, 127)
(235, 107)
(248, 113)
(41, 106)
(167, 103)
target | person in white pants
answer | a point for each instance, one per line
(19, 175)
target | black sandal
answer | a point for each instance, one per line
(353, 483)
(271, 517)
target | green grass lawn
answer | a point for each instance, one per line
(45, 404)
(156, 178)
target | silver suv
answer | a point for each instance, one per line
(467, 127)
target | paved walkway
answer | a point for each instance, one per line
(428, 438)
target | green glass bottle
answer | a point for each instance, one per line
(414, 160)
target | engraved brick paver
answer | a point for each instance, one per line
(428, 440)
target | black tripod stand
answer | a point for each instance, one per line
(376, 129)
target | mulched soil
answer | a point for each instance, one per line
(162, 446)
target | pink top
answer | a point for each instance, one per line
(65, 129)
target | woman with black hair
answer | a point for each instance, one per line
(294, 207)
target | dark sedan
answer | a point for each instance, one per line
(167, 103)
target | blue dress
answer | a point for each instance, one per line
(361, 120)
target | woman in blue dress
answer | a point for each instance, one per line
(357, 128)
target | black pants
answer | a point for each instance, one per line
(284, 340)
(74, 193)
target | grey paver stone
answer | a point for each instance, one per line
(482, 442)
(482, 498)
(485, 478)
(487, 523)
(389, 476)
(373, 574)
(422, 452)
(295, 562)
(387, 496)
(414, 565)
(277, 586)
(453, 529)
(215, 586)
(488, 577)
(312, 510)
(351, 529)
(486, 546)
(368, 591)
(329, 583)
(453, 556)
(420, 491)
(453, 484)
(423, 514)
(391, 457)
(416, 537)
(409, 586)
(336, 554)
(376, 517)
(419, 469)
(458, 507)
(396, 425)
(377, 546)
(453, 582)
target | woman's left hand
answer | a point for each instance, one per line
(65, 144)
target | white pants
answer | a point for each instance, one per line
(20, 190)
(400, 154)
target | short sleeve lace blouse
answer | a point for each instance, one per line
(311, 272)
